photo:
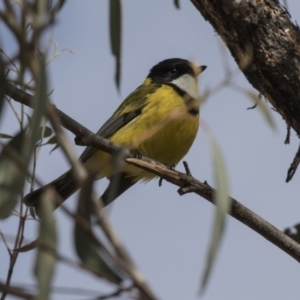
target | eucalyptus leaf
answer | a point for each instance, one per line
(28, 247)
(11, 175)
(261, 105)
(41, 16)
(3, 83)
(51, 141)
(115, 19)
(54, 148)
(223, 205)
(5, 136)
(59, 5)
(39, 106)
(86, 247)
(47, 243)
(13, 169)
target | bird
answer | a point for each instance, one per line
(159, 119)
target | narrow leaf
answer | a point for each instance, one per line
(11, 176)
(261, 105)
(54, 148)
(115, 19)
(39, 100)
(41, 16)
(47, 243)
(28, 247)
(51, 141)
(86, 248)
(223, 204)
(5, 136)
(59, 5)
(13, 170)
(3, 83)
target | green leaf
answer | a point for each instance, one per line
(14, 170)
(51, 141)
(41, 16)
(54, 148)
(28, 247)
(5, 136)
(294, 232)
(59, 5)
(11, 176)
(115, 19)
(262, 107)
(223, 205)
(39, 100)
(47, 243)
(3, 83)
(86, 247)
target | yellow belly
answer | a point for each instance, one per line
(163, 132)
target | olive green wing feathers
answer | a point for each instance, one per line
(130, 109)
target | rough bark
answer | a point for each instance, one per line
(266, 46)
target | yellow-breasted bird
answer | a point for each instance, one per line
(160, 120)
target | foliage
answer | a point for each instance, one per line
(99, 249)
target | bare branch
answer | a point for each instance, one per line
(15, 291)
(186, 182)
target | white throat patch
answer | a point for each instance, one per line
(188, 84)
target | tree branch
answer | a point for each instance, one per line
(15, 291)
(186, 182)
(266, 46)
(70, 124)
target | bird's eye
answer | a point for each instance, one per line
(173, 71)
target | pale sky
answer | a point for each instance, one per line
(168, 235)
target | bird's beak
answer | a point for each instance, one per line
(199, 70)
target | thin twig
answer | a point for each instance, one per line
(124, 258)
(238, 211)
(14, 110)
(13, 259)
(79, 171)
(288, 134)
(15, 291)
(5, 243)
(293, 167)
(116, 293)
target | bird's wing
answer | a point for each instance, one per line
(130, 108)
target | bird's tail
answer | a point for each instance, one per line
(118, 184)
(65, 186)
